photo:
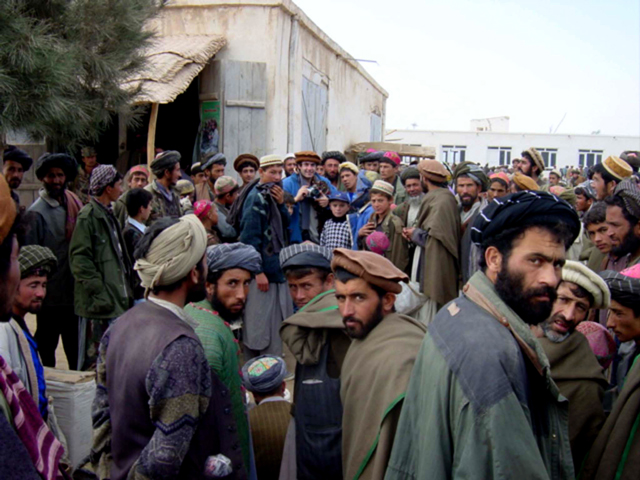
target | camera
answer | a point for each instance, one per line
(314, 192)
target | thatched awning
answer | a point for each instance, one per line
(172, 64)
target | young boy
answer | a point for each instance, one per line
(596, 226)
(382, 220)
(337, 231)
(138, 202)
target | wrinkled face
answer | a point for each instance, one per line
(290, 166)
(13, 173)
(413, 187)
(338, 208)
(387, 171)
(9, 287)
(602, 189)
(90, 161)
(568, 311)
(31, 293)
(349, 180)
(625, 238)
(380, 203)
(305, 289)
(307, 170)
(528, 278)
(583, 203)
(331, 167)
(138, 180)
(372, 166)
(496, 190)
(468, 191)
(270, 174)
(623, 322)
(215, 172)
(599, 235)
(361, 307)
(248, 174)
(229, 295)
(553, 179)
(199, 178)
(54, 181)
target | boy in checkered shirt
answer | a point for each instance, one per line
(337, 230)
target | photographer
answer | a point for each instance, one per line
(311, 193)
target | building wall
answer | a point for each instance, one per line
(278, 33)
(477, 144)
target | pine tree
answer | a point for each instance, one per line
(62, 64)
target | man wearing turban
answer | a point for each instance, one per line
(15, 163)
(100, 264)
(153, 413)
(377, 367)
(481, 401)
(166, 198)
(231, 267)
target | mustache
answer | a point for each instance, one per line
(547, 291)
(351, 318)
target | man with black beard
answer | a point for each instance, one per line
(157, 407)
(376, 369)
(574, 367)
(623, 220)
(481, 402)
(231, 267)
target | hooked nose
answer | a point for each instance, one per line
(550, 275)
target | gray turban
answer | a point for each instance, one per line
(211, 159)
(306, 255)
(233, 255)
(164, 161)
(264, 374)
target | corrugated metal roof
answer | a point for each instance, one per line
(173, 63)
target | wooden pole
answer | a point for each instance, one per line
(151, 137)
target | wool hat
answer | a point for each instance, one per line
(349, 166)
(335, 155)
(264, 374)
(391, 158)
(14, 154)
(270, 160)
(632, 158)
(88, 152)
(534, 155)
(245, 160)
(306, 254)
(339, 196)
(617, 167)
(196, 168)
(583, 276)
(307, 156)
(525, 182)
(556, 172)
(380, 186)
(8, 210)
(57, 160)
(165, 161)
(139, 169)
(409, 172)
(35, 258)
(224, 185)
(185, 187)
(371, 156)
(211, 159)
(202, 208)
(371, 267)
(433, 170)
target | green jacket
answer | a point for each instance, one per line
(100, 264)
(481, 402)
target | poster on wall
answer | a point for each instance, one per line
(210, 133)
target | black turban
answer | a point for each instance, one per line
(335, 155)
(371, 157)
(14, 154)
(624, 288)
(57, 160)
(164, 161)
(521, 209)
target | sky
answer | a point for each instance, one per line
(444, 63)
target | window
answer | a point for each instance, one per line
(589, 158)
(499, 156)
(549, 156)
(315, 105)
(453, 153)
(375, 131)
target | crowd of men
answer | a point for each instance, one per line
(445, 321)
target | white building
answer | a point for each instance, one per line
(485, 146)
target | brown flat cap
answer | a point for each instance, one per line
(8, 209)
(525, 182)
(535, 156)
(371, 267)
(617, 167)
(308, 157)
(244, 159)
(433, 170)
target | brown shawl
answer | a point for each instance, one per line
(439, 217)
(398, 252)
(617, 448)
(580, 379)
(375, 376)
(73, 207)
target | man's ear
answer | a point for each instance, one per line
(493, 258)
(330, 280)
(211, 289)
(388, 300)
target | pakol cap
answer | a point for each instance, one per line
(583, 276)
(371, 267)
(270, 160)
(244, 160)
(617, 167)
(525, 182)
(349, 166)
(534, 155)
(433, 170)
(308, 156)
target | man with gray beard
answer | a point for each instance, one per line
(574, 367)
(408, 210)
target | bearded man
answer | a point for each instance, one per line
(331, 162)
(213, 166)
(481, 402)
(408, 210)
(15, 163)
(532, 165)
(231, 268)
(166, 198)
(574, 367)
(376, 369)
(623, 221)
(607, 175)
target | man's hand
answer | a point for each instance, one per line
(323, 201)
(278, 195)
(302, 193)
(367, 230)
(263, 283)
(407, 233)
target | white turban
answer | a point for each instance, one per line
(173, 253)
